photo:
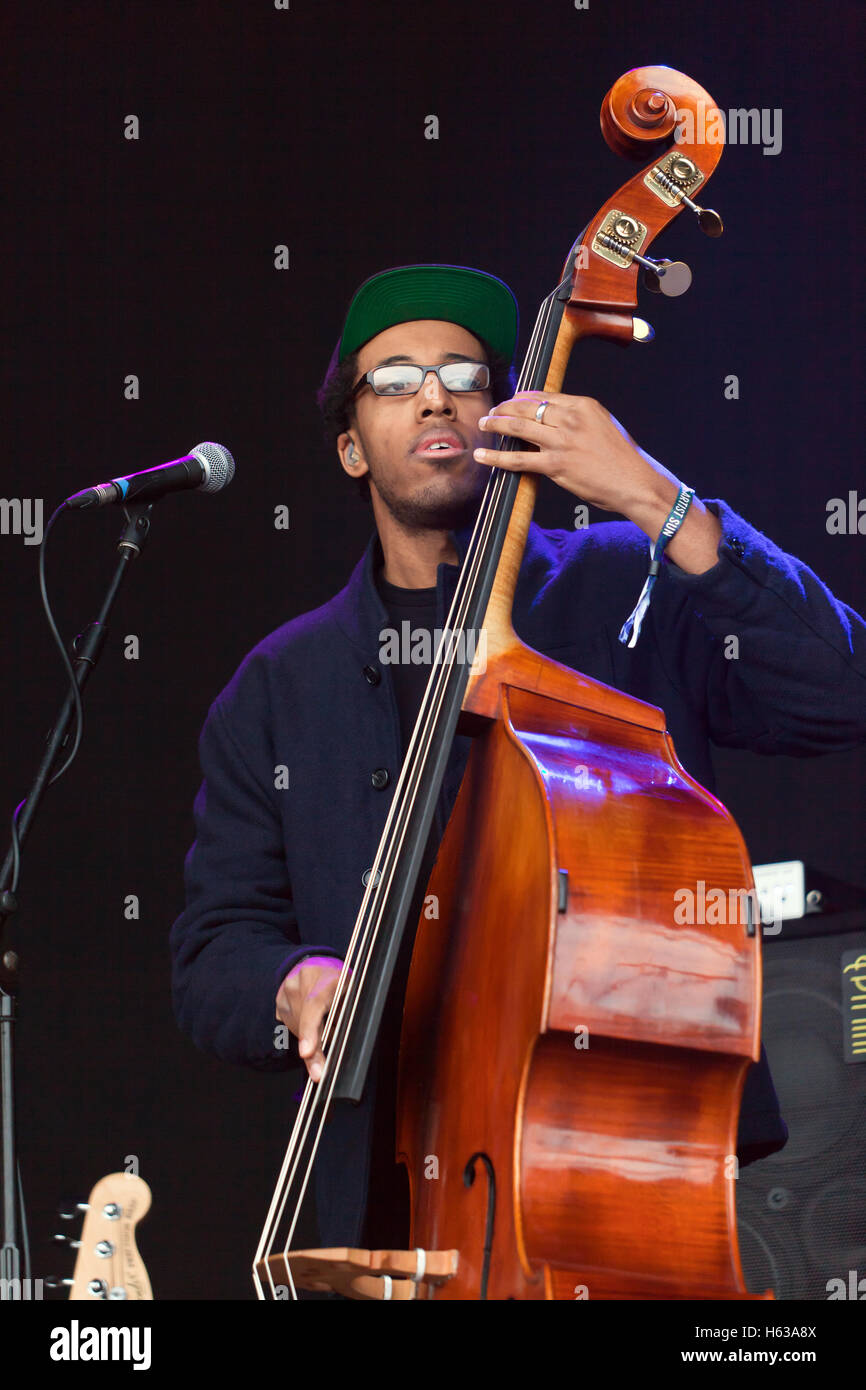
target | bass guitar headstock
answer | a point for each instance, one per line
(108, 1265)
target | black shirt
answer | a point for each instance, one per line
(386, 1223)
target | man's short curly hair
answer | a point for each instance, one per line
(334, 396)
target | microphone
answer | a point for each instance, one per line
(208, 468)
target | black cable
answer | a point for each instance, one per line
(73, 684)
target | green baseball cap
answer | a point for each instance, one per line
(480, 303)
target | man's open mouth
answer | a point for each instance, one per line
(440, 446)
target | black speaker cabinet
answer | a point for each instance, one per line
(802, 1211)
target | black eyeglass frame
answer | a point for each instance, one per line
(367, 378)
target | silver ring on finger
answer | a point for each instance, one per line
(539, 414)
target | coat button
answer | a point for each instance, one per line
(737, 546)
(372, 675)
(380, 778)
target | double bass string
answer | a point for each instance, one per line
(400, 806)
(365, 934)
(312, 1092)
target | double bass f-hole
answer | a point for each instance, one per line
(468, 1180)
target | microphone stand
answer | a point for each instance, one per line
(85, 651)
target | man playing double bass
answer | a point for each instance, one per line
(418, 387)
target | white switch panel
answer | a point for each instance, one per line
(781, 892)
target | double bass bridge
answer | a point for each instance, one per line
(389, 1275)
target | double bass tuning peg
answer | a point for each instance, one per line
(671, 186)
(671, 278)
(708, 220)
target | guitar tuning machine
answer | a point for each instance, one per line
(70, 1208)
(60, 1239)
(98, 1288)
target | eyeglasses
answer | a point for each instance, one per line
(406, 379)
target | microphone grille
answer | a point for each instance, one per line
(218, 464)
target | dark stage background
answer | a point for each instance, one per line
(155, 257)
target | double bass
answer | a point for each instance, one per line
(571, 1057)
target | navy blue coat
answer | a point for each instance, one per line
(275, 871)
